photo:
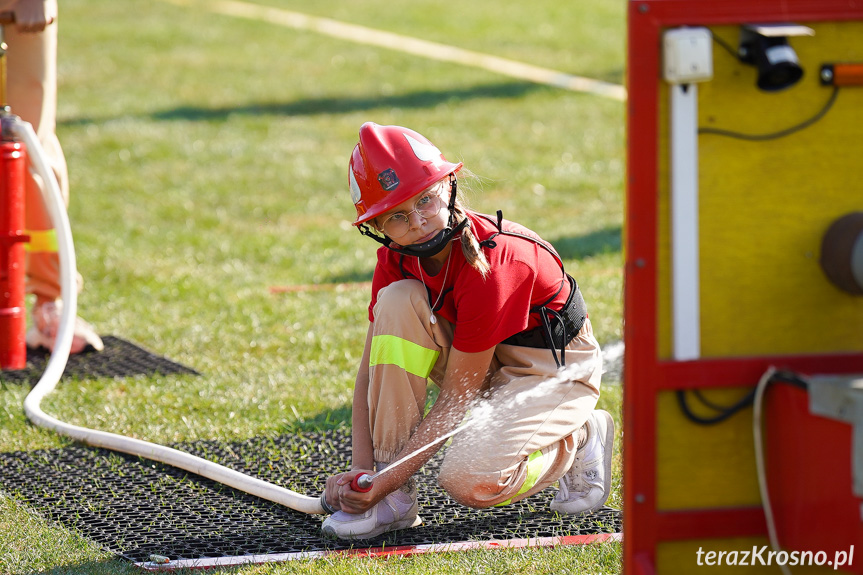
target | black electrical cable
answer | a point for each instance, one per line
(707, 402)
(726, 411)
(725, 45)
(775, 135)
(724, 414)
(790, 378)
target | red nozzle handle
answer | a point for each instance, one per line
(362, 483)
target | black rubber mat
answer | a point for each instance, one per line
(120, 358)
(137, 508)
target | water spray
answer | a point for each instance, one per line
(364, 482)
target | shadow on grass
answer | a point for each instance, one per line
(606, 240)
(338, 105)
(341, 416)
(353, 276)
(323, 421)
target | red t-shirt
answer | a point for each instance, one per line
(484, 312)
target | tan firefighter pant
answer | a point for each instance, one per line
(525, 423)
(32, 95)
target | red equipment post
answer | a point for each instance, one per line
(13, 157)
(13, 349)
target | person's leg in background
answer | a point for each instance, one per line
(32, 95)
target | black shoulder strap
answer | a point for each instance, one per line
(546, 316)
(489, 241)
(491, 244)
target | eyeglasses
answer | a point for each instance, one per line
(398, 224)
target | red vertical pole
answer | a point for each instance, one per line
(13, 350)
(13, 320)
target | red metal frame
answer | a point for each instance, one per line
(645, 374)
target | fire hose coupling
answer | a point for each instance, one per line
(362, 483)
(325, 505)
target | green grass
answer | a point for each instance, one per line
(208, 159)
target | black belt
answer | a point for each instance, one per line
(559, 328)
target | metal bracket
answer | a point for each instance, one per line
(841, 398)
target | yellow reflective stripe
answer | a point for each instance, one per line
(413, 358)
(42, 241)
(534, 468)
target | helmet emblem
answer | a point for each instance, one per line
(388, 179)
(425, 152)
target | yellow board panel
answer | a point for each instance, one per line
(704, 466)
(684, 557)
(764, 206)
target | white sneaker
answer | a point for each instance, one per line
(46, 322)
(398, 510)
(587, 484)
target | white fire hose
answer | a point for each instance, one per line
(60, 355)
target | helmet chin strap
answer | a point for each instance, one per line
(435, 245)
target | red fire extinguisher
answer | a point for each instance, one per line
(13, 158)
(13, 350)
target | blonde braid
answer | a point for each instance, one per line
(470, 246)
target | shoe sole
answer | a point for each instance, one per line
(406, 524)
(35, 339)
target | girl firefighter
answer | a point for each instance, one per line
(482, 306)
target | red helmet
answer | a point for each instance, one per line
(391, 164)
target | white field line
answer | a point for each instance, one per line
(163, 563)
(415, 46)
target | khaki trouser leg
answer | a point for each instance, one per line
(32, 95)
(526, 432)
(527, 420)
(406, 348)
